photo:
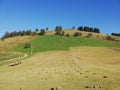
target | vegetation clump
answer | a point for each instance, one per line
(109, 38)
(77, 34)
(89, 29)
(67, 35)
(89, 35)
(27, 45)
(58, 30)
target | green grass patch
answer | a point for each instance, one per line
(47, 43)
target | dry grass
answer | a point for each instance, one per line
(84, 34)
(11, 42)
(65, 69)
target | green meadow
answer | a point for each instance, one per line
(48, 43)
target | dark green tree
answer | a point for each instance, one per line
(96, 30)
(42, 32)
(36, 30)
(47, 29)
(58, 30)
(81, 28)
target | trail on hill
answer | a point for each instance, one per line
(18, 58)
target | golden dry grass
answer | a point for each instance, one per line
(84, 34)
(97, 68)
(13, 41)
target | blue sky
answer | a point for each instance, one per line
(31, 14)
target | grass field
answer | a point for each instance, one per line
(47, 43)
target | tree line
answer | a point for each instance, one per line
(115, 34)
(89, 29)
(58, 31)
(24, 33)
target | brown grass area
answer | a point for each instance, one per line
(76, 69)
(84, 34)
(11, 42)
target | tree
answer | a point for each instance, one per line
(58, 30)
(91, 29)
(47, 29)
(96, 30)
(28, 32)
(36, 29)
(87, 29)
(81, 28)
(6, 35)
(42, 32)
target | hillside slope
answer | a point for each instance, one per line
(81, 68)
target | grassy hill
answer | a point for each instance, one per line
(47, 43)
(68, 63)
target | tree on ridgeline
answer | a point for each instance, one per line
(28, 32)
(36, 30)
(42, 32)
(81, 28)
(89, 29)
(58, 30)
(115, 34)
(47, 29)
(96, 30)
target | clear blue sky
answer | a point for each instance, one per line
(31, 14)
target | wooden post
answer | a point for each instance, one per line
(31, 49)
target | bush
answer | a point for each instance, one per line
(109, 38)
(89, 35)
(77, 34)
(67, 35)
(27, 45)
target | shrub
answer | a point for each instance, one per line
(109, 38)
(104, 76)
(67, 35)
(27, 45)
(89, 35)
(77, 34)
